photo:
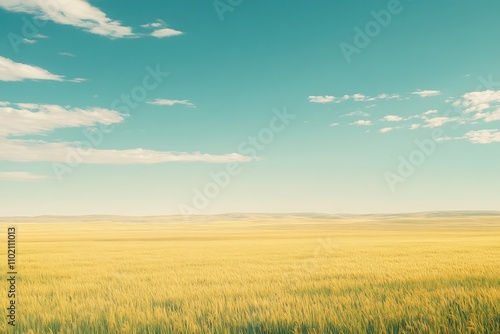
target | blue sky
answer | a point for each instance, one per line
(173, 107)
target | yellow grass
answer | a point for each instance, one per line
(265, 275)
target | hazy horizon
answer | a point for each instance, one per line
(315, 215)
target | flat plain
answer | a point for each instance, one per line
(420, 273)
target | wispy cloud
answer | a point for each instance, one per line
(478, 107)
(435, 122)
(483, 136)
(76, 13)
(363, 98)
(482, 105)
(321, 99)
(37, 150)
(479, 101)
(157, 24)
(362, 122)
(67, 54)
(358, 97)
(385, 96)
(356, 113)
(34, 38)
(165, 32)
(20, 119)
(12, 71)
(77, 80)
(488, 116)
(21, 176)
(426, 93)
(165, 102)
(30, 118)
(430, 112)
(393, 118)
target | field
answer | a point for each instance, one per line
(257, 274)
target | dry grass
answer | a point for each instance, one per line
(439, 275)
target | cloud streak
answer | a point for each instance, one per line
(30, 118)
(483, 136)
(393, 118)
(355, 97)
(426, 93)
(20, 119)
(165, 32)
(362, 122)
(12, 71)
(165, 102)
(20, 150)
(76, 13)
(21, 176)
(161, 30)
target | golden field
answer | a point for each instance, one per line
(256, 274)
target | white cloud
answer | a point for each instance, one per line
(384, 130)
(334, 124)
(393, 118)
(385, 96)
(29, 41)
(157, 24)
(415, 126)
(363, 122)
(76, 13)
(430, 112)
(488, 117)
(477, 98)
(437, 121)
(77, 80)
(321, 99)
(12, 71)
(37, 150)
(21, 176)
(358, 97)
(479, 101)
(361, 97)
(29, 118)
(165, 102)
(426, 93)
(67, 54)
(483, 136)
(19, 119)
(165, 32)
(356, 113)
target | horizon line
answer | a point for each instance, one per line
(470, 212)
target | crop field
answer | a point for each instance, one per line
(256, 274)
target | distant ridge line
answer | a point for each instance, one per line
(252, 216)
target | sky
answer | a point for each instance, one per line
(176, 107)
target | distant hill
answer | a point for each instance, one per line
(234, 217)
